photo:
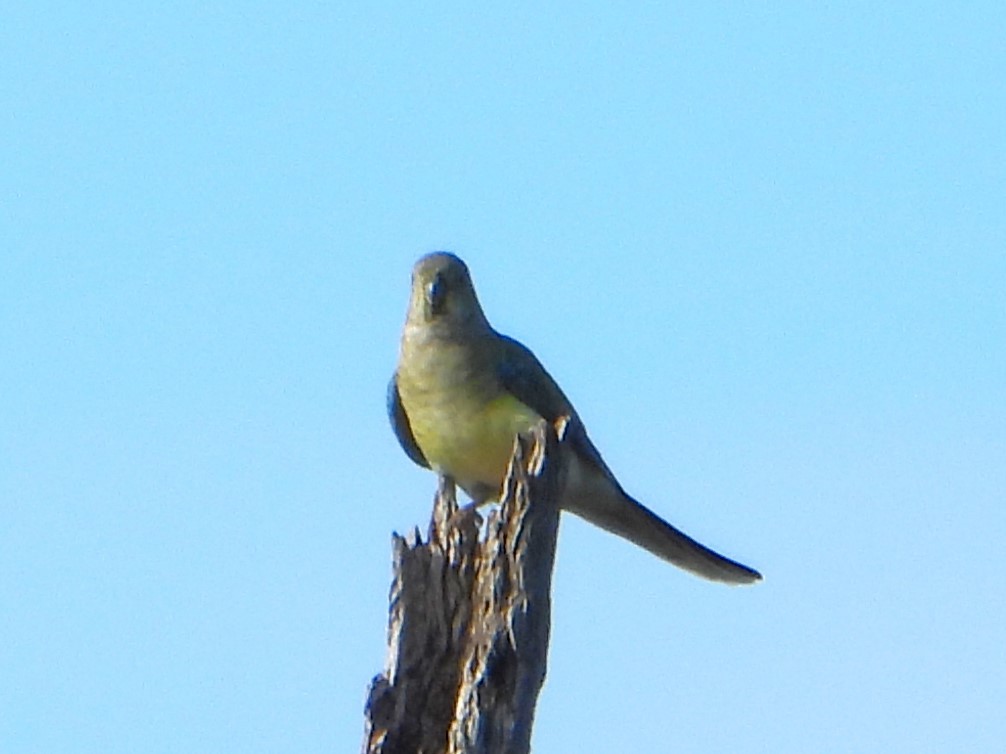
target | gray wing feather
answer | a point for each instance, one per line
(400, 424)
(525, 378)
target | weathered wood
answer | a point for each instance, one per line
(469, 618)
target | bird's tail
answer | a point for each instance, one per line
(610, 508)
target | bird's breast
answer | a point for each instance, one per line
(465, 427)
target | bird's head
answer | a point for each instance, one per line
(442, 292)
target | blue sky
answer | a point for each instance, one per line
(762, 249)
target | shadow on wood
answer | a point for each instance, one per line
(469, 618)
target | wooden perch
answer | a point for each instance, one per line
(469, 618)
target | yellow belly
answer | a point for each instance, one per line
(473, 443)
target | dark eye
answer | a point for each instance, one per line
(436, 293)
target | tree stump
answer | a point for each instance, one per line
(470, 616)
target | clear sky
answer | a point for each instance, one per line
(762, 248)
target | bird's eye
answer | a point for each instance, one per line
(436, 293)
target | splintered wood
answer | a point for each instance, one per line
(469, 618)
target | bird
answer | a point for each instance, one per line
(461, 392)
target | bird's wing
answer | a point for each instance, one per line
(522, 375)
(400, 424)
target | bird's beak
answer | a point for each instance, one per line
(436, 295)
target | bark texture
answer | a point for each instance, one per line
(470, 616)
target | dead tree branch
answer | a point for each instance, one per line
(469, 618)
